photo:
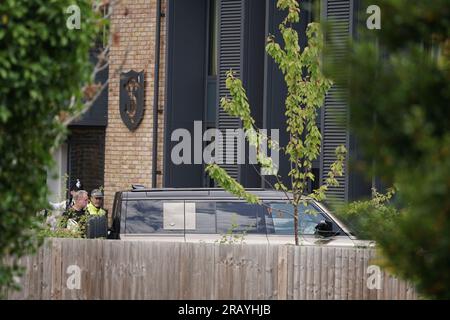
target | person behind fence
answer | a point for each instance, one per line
(66, 204)
(95, 206)
(75, 217)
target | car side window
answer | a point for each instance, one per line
(239, 217)
(280, 218)
(154, 216)
(205, 216)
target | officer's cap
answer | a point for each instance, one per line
(97, 193)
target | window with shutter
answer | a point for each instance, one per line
(230, 53)
(335, 111)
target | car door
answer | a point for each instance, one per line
(227, 221)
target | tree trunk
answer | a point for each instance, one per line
(296, 224)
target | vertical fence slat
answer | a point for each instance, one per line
(260, 271)
(150, 271)
(107, 270)
(236, 268)
(309, 272)
(33, 282)
(56, 278)
(331, 253)
(47, 270)
(359, 273)
(303, 270)
(316, 272)
(401, 290)
(282, 272)
(324, 274)
(99, 254)
(366, 257)
(25, 280)
(216, 271)
(376, 294)
(344, 274)
(338, 274)
(351, 274)
(271, 273)
(297, 273)
(290, 272)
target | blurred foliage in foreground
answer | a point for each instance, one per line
(399, 105)
(43, 65)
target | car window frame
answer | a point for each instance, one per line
(259, 217)
(271, 226)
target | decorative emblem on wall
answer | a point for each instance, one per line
(131, 102)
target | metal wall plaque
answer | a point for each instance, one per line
(131, 102)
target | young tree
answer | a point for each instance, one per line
(306, 89)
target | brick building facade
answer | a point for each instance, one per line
(128, 155)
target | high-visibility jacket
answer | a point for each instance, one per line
(93, 211)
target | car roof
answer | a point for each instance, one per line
(198, 193)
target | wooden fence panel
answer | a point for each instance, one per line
(165, 270)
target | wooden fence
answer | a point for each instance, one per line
(108, 269)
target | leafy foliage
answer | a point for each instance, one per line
(399, 100)
(42, 65)
(370, 219)
(306, 89)
(57, 230)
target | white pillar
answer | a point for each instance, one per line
(56, 176)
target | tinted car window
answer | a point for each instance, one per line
(154, 216)
(280, 218)
(238, 217)
(205, 217)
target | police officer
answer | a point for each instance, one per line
(95, 206)
(66, 204)
(76, 186)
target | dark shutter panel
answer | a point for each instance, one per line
(230, 39)
(186, 27)
(335, 111)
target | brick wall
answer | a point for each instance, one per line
(128, 155)
(87, 156)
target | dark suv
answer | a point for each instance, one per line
(208, 215)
